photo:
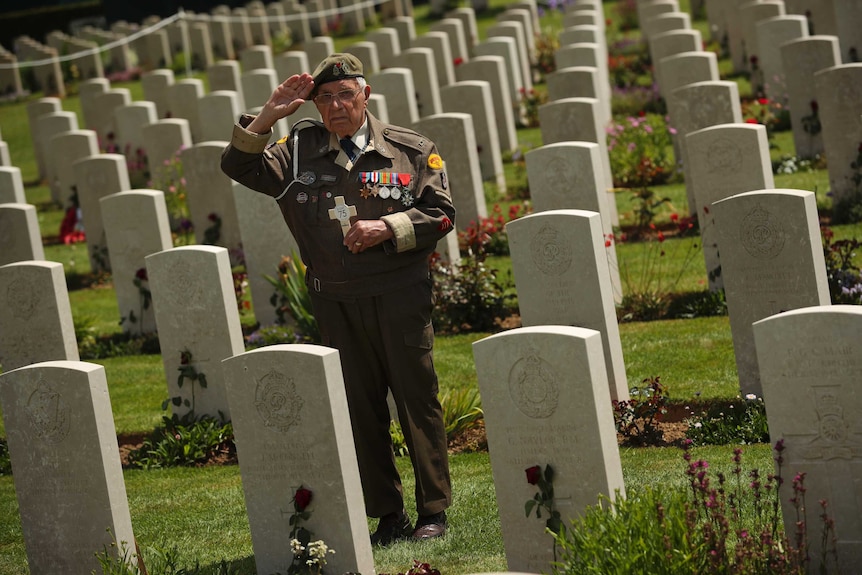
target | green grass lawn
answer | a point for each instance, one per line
(201, 512)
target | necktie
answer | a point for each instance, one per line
(349, 148)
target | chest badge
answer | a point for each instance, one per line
(307, 178)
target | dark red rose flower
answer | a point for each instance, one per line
(534, 473)
(302, 498)
(141, 274)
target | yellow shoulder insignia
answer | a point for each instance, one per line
(282, 140)
(435, 162)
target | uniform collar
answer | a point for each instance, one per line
(372, 131)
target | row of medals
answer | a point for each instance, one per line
(386, 185)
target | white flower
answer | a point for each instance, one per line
(698, 425)
(296, 547)
(750, 397)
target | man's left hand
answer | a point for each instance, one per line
(364, 234)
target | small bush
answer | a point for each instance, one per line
(468, 297)
(843, 274)
(636, 418)
(462, 410)
(272, 335)
(741, 422)
(184, 441)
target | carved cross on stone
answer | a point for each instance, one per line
(342, 212)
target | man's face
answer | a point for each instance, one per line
(343, 117)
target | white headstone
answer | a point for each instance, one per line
(198, 322)
(492, 69)
(136, 225)
(11, 186)
(545, 399)
(20, 239)
(563, 277)
(65, 464)
(290, 416)
(771, 260)
(36, 315)
(810, 360)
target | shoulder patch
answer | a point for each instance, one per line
(435, 162)
(282, 140)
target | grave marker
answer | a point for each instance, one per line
(544, 394)
(36, 315)
(66, 465)
(290, 417)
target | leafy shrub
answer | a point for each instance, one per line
(462, 410)
(488, 235)
(184, 441)
(530, 101)
(116, 560)
(547, 43)
(636, 418)
(291, 298)
(700, 529)
(640, 148)
(843, 274)
(741, 422)
(467, 297)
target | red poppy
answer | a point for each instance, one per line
(660, 237)
(763, 101)
(674, 217)
(751, 121)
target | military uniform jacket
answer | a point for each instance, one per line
(399, 178)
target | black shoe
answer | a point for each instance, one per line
(430, 526)
(392, 527)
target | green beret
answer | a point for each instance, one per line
(337, 67)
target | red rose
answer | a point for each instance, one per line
(141, 274)
(302, 498)
(534, 473)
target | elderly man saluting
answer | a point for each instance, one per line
(367, 203)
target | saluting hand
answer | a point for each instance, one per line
(284, 101)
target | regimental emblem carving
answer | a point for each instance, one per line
(562, 173)
(724, 156)
(187, 291)
(835, 437)
(549, 251)
(277, 402)
(48, 414)
(533, 386)
(23, 299)
(762, 234)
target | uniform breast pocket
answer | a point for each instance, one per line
(309, 200)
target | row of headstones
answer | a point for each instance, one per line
(545, 400)
(158, 42)
(802, 72)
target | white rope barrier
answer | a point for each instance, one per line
(183, 17)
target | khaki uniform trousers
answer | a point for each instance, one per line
(385, 342)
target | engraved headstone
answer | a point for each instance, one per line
(48, 126)
(290, 416)
(724, 160)
(473, 97)
(35, 314)
(65, 149)
(95, 178)
(136, 225)
(183, 97)
(492, 69)
(686, 68)
(515, 31)
(198, 323)
(20, 239)
(562, 272)
(219, 111)
(454, 30)
(65, 464)
(696, 106)
(568, 176)
(839, 91)
(771, 260)
(397, 85)
(810, 363)
(165, 140)
(130, 121)
(771, 34)
(801, 59)
(438, 42)
(750, 13)
(579, 120)
(420, 62)
(456, 140)
(506, 48)
(155, 85)
(257, 86)
(546, 402)
(670, 43)
(104, 121)
(586, 54)
(211, 197)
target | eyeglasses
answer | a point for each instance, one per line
(344, 97)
